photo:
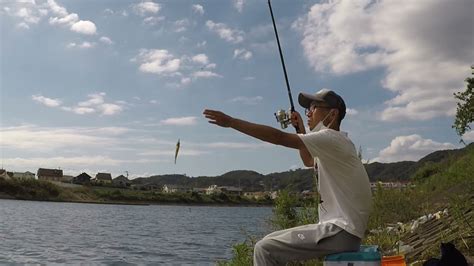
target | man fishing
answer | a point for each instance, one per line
(343, 183)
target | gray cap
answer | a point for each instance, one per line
(327, 97)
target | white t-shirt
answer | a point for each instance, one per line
(343, 183)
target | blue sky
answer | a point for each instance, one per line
(110, 86)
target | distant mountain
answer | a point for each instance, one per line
(390, 171)
(399, 171)
(301, 179)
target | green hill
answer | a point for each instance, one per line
(302, 179)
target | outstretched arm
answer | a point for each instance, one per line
(297, 122)
(261, 132)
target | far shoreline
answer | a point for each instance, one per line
(8, 197)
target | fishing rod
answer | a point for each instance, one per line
(283, 117)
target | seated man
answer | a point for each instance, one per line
(343, 183)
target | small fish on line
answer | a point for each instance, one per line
(176, 151)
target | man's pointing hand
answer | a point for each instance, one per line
(218, 118)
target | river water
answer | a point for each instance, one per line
(72, 233)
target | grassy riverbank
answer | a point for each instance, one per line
(30, 189)
(447, 184)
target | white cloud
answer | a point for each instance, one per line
(224, 32)
(170, 152)
(199, 9)
(83, 45)
(60, 161)
(351, 111)
(239, 5)
(67, 20)
(95, 104)
(247, 100)
(94, 99)
(36, 138)
(146, 8)
(248, 78)
(230, 145)
(468, 136)
(28, 12)
(108, 11)
(424, 46)
(205, 74)
(242, 54)
(180, 121)
(23, 25)
(181, 25)
(31, 146)
(410, 148)
(154, 102)
(57, 9)
(110, 108)
(106, 40)
(152, 21)
(63, 18)
(211, 66)
(201, 44)
(27, 15)
(185, 81)
(46, 101)
(159, 62)
(201, 59)
(85, 27)
(79, 110)
(86, 45)
(181, 69)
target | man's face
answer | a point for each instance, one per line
(316, 113)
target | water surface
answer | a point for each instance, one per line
(50, 232)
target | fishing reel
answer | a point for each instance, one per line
(283, 117)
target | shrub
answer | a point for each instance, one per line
(284, 211)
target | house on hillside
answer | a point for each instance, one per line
(230, 190)
(390, 185)
(199, 190)
(49, 174)
(212, 189)
(82, 179)
(256, 195)
(67, 178)
(274, 195)
(173, 189)
(121, 181)
(103, 178)
(24, 175)
(5, 175)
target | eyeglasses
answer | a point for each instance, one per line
(311, 109)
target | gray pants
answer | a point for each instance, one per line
(303, 243)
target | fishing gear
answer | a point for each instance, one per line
(283, 117)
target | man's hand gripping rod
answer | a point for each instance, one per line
(283, 117)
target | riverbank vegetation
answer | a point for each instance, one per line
(32, 189)
(447, 184)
